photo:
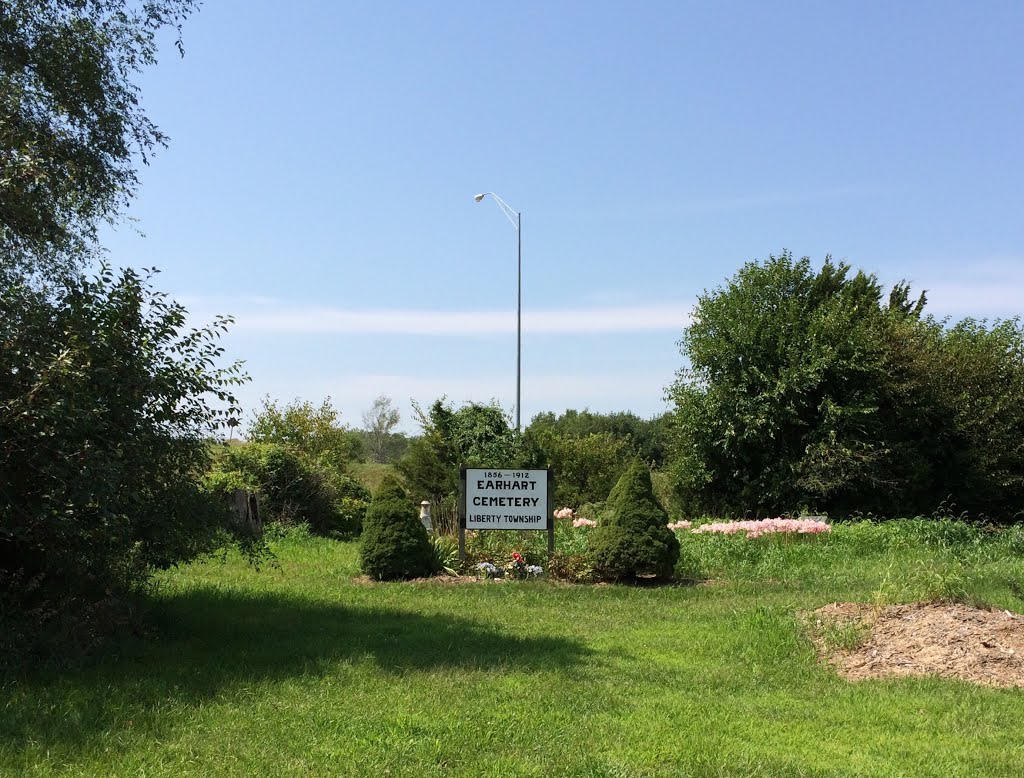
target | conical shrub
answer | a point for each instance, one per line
(394, 544)
(635, 541)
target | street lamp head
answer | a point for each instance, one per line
(479, 197)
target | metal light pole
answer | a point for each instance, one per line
(517, 222)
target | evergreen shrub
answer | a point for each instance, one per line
(634, 541)
(395, 544)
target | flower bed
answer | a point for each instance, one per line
(517, 569)
(754, 529)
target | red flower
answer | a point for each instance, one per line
(518, 557)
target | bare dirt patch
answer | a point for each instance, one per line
(449, 580)
(952, 641)
(440, 580)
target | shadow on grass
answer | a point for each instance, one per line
(270, 635)
(204, 644)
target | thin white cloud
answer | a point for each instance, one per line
(647, 318)
(538, 389)
(352, 394)
(206, 302)
(988, 288)
(977, 299)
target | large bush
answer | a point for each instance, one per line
(585, 467)
(292, 488)
(395, 544)
(105, 411)
(351, 505)
(634, 541)
(643, 438)
(314, 432)
(812, 390)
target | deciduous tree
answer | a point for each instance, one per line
(813, 389)
(71, 121)
(379, 420)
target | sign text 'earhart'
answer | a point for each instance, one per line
(506, 499)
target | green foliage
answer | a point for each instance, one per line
(574, 568)
(71, 122)
(279, 534)
(351, 507)
(1012, 540)
(594, 510)
(663, 490)
(841, 635)
(585, 467)
(981, 380)
(779, 388)
(498, 547)
(106, 404)
(387, 450)
(688, 568)
(905, 559)
(808, 389)
(395, 544)
(296, 462)
(635, 540)
(446, 553)
(643, 438)
(291, 488)
(475, 436)
(313, 432)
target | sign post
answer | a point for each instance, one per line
(508, 499)
(551, 512)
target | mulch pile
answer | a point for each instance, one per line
(952, 641)
(440, 580)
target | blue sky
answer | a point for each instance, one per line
(324, 156)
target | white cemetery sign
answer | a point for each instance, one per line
(506, 499)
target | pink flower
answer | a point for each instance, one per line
(754, 529)
(564, 513)
(680, 525)
(584, 523)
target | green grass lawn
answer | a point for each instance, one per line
(301, 670)
(370, 474)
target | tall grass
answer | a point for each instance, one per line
(899, 561)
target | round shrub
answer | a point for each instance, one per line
(634, 541)
(395, 543)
